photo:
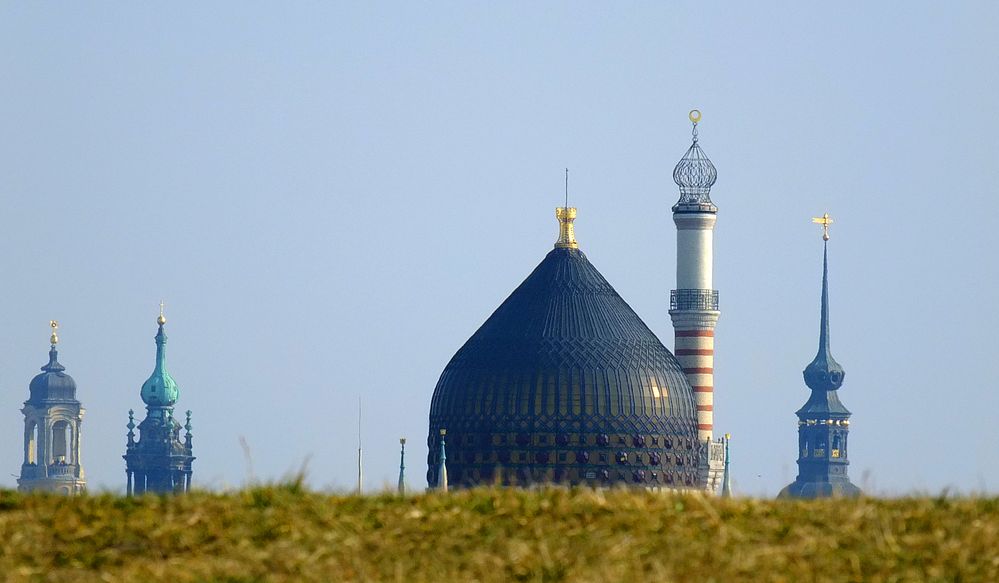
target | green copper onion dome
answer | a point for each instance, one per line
(160, 390)
(564, 383)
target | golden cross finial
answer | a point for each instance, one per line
(162, 319)
(825, 220)
(55, 327)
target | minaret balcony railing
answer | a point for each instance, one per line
(693, 299)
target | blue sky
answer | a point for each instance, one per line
(331, 198)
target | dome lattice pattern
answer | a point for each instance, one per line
(565, 383)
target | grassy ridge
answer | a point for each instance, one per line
(286, 534)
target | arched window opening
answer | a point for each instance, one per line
(33, 443)
(60, 442)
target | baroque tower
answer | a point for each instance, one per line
(159, 461)
(52, 418)
(823, 421)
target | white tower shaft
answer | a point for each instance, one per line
(694, 311)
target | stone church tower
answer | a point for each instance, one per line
(159, 461)
(823, 421)
(52, 418)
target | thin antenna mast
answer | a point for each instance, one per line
(566, 188)
(360, 464)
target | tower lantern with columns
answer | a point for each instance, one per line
(52, 419)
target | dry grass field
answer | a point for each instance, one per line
(285, 533)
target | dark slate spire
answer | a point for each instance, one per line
(823, 421)
(824, 373)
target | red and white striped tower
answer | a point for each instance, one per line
(694, 302)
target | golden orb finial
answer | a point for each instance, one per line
(443, 432)
(54, 339)
(694, 115)
(161, 319)
(825, 220)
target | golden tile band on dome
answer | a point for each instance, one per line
(566, 231)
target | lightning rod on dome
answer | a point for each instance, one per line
(566, 188)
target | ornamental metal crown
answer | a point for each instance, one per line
(695, 174)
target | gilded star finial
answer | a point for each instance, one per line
(54, 339)
(161, 319)
(825, 220)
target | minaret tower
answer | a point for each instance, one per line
(159, 461)
(694, 302)
(52, 419)
(823, 422)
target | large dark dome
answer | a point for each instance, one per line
(565, 383)
(52, 384)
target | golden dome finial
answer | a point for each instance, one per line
(54, 339)
(161, 319)
(566, 232)
(825, 220)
